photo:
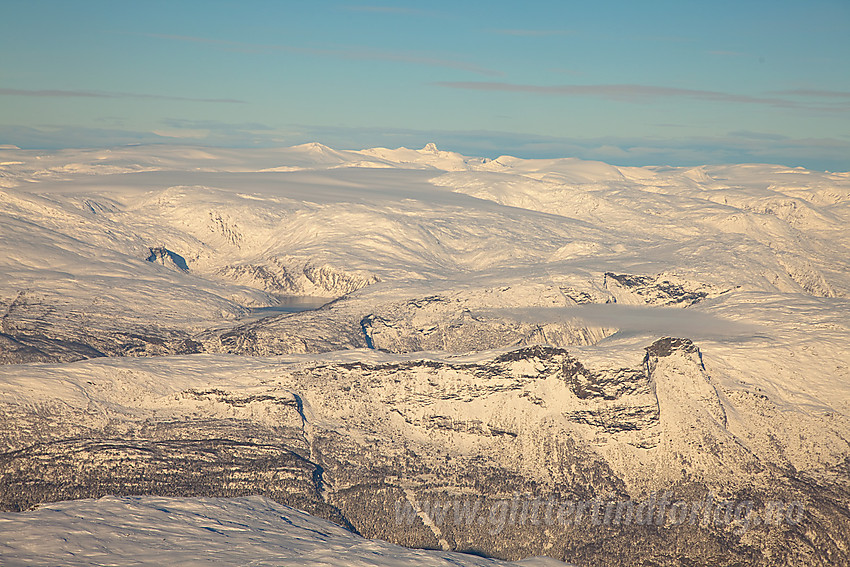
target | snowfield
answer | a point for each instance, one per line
(485, 328)
(204, 531)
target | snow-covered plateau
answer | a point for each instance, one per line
(501, 333)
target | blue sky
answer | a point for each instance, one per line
(632, 83)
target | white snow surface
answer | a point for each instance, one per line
(196, 532)
(522, 240)
(765, 248)
(80, 224)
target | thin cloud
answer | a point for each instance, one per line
(814, 92)
(630, 93)
(105, 94)
(182, 133)
(182, 123)
(341, 53)
(61, 136)
(757, 135)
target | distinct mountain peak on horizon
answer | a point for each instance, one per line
(313, 146)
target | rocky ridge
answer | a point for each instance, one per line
(354, 440)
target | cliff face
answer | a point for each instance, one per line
(429, 451)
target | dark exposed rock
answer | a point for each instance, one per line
(31, 331)
(533, 351)
(659, 290)
(289, 277)
(667, 345)
(619, 419)
(20, 349)
(167, 258)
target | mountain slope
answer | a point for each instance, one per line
(203, 531)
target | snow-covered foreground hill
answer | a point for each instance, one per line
(494, 334)
(202, 531)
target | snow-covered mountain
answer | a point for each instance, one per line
(548, 330)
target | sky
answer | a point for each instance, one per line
(625, 82)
